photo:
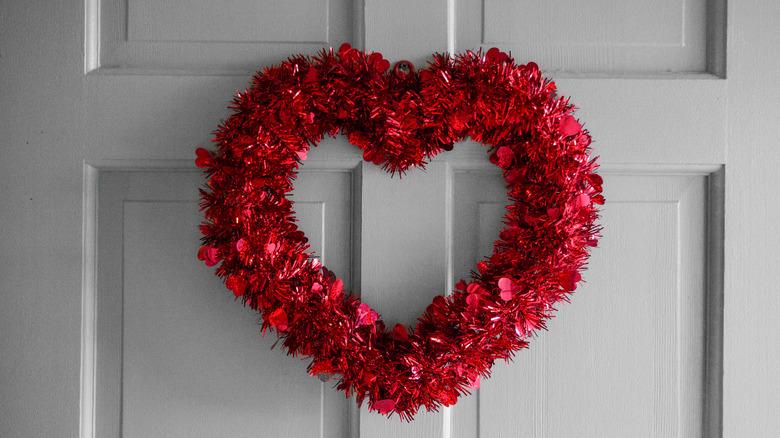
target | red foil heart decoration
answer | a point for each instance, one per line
(400, 118)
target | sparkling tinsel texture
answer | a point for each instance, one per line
(400, 118)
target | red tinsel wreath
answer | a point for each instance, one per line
(401, 118)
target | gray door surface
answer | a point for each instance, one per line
(110, 327)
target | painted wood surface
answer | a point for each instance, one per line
(620, 37)
(751, 350)
(626, 357)
(105, 99)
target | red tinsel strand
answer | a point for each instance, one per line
(399, 121)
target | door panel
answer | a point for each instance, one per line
(596, 36)
(626, 357)
(203, 37)
(177, 356)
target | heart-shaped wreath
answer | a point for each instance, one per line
(401, 118)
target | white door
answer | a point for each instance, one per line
(110, 327)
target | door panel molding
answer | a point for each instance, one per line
(602, 38)
(110, 187)
(160, 40)
(691, 196)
